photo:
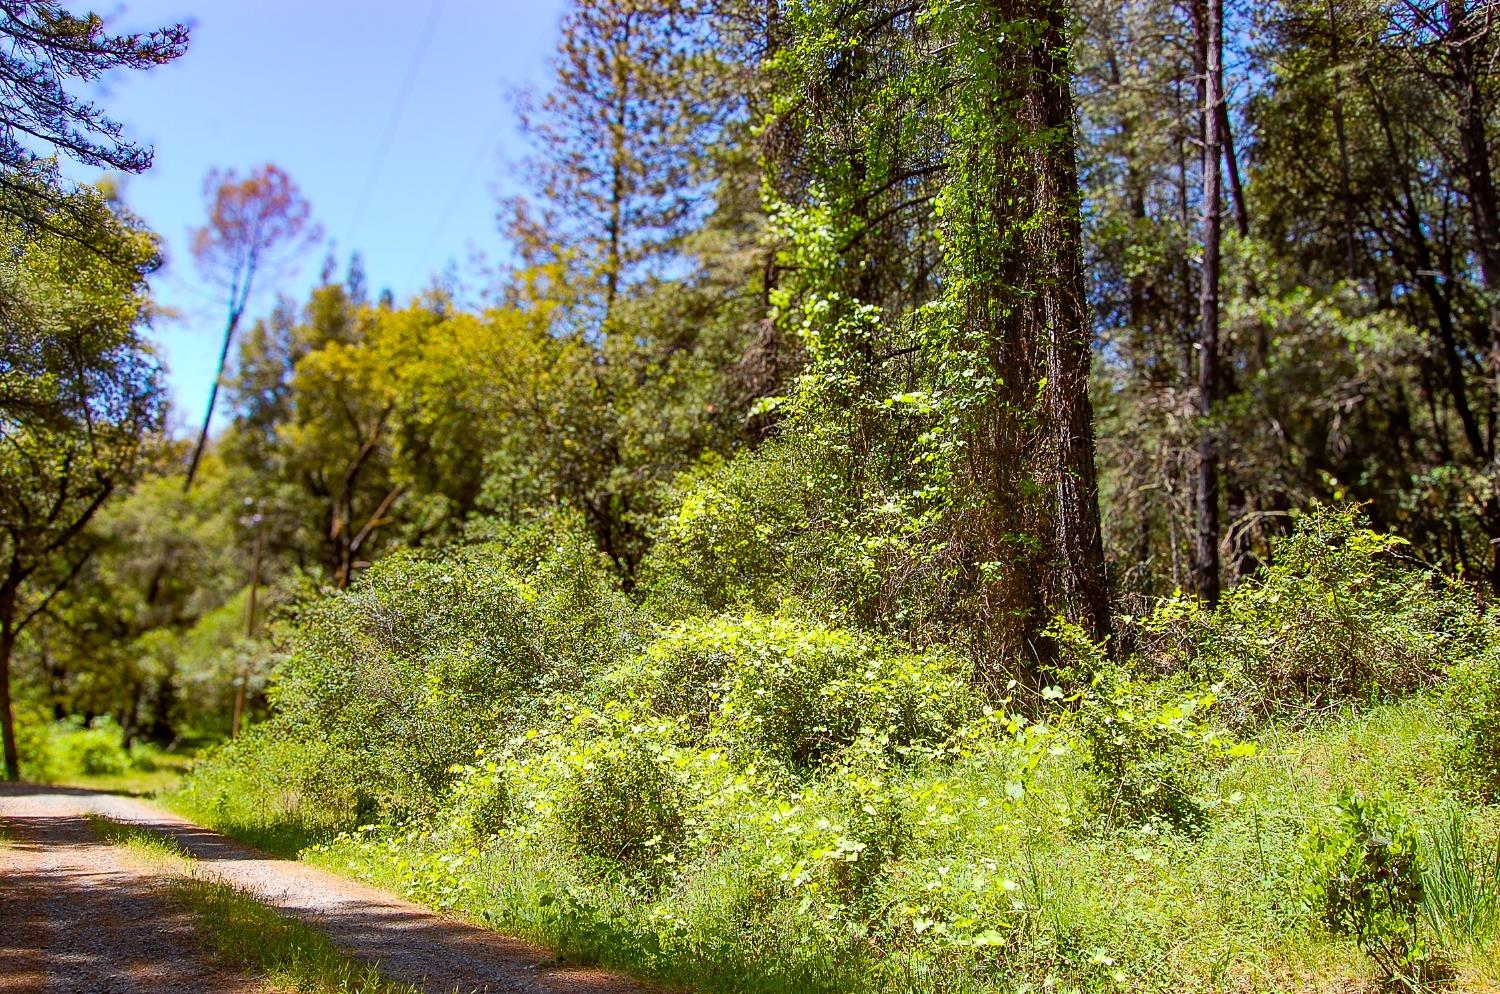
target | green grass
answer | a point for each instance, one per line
(163, 773)
(1215, 910)
(162, 851)
(243, 930)
(286, 836)
(1461, 882)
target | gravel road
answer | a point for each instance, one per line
(75, 917)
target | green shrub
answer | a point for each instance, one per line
(609, 787)
(1150, 748)
(864, 810)
(275, 790)
(798, 522)
(96, 750)
(428, 660)
(716, 552)
(739, 540)
(481, 802)
(793, 692)
(959, 872)
(1339, 615)
(1473, 699)
(1367, 884)
(71, 748)
(1150, 742)
(621, 801)
(34, 735)
(763, 802)
(572, 587)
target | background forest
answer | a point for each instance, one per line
(949, 495)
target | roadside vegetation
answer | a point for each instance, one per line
(74, 754)
(1288, 791)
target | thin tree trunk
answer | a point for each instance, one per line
(244, 675)
(1179, 464)
(7, 646)
(208, 416)
(1209, 26)
(1081, 587)
(1243, 561)
(616, 225)
(1341, 137)
(1232, 165)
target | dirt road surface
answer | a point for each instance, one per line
(76, 918)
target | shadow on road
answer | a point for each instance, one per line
(75, 918)
(408, 942)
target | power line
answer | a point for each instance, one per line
(485, 150)
(384, 147)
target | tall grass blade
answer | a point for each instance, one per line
(1461, 887)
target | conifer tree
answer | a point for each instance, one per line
(623, 135)
(46, 51)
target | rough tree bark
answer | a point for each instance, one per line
(1032, 448)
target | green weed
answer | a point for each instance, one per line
(1460, 882)
(243, 930)
(142, 842)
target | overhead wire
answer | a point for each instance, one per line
(487, 148)
(377, 164)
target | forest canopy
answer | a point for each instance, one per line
(906, 438)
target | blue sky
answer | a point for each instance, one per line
(391, 115)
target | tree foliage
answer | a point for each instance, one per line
(255, 227)
(48, 52)
(81, 396)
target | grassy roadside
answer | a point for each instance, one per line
(240, 928)
(1292, 791)
(95, 756)
(1209, 905)
(287, 838)
(164, 773)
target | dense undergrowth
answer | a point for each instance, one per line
(95, 754)
(1287, 792)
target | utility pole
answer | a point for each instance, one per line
(258, 521)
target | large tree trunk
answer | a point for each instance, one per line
(1208, 25)
(1035, 524)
